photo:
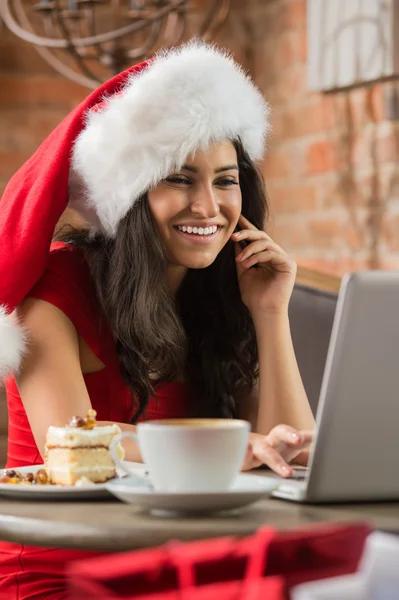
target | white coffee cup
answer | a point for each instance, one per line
(189, 455)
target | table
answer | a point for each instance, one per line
(112, 526)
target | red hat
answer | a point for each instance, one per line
(124, 138)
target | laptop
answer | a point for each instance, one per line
(355, 454)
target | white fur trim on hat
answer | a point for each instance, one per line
(12, 344)
(183, 101)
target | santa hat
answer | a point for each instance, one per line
(124, 138)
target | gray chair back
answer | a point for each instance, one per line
(311, 314)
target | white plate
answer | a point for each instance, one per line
(59, 492)
(246, 490)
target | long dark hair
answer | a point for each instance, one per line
(205, 332)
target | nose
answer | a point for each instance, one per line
(204, 202)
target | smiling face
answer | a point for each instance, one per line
(197, 208)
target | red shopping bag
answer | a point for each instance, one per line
(263, 566)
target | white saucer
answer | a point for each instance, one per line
(246, 490)
(93, 491)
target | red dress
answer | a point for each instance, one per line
(38, 573)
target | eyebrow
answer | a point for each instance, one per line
(219, 170)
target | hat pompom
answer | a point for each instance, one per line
(12, 346)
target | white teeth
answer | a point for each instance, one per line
(198, 230)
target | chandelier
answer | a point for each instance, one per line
(87, 41)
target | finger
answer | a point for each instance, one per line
(252, 234)
(270, 457)
(280, 262)
(256, 247)
(244, 223)
(302, 459)
(307, 436)
(250, 462)
(248, 459)
(287, 434)
(240, 269)
(237, 249)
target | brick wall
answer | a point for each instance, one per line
(332, 167)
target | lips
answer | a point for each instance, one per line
(201, 228)
(198, 238)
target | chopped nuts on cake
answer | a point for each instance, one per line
(77, 454)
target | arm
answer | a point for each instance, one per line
(278, 398)
(281, 395)
(278, 408)
(51, 382)
(266, 291)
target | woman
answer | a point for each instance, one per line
(157, 309)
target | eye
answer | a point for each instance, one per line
(178, 179)
(226, 182)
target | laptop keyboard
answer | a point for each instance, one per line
(299, 475)
(292, 486)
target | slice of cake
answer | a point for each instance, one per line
(80, 449)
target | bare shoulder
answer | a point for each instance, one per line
(44, 321)
(52, 341)
(50, 330)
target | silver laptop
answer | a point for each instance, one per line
(355, 456)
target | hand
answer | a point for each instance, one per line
(268, 288)
(282, 445)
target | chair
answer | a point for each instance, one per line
(311, 313)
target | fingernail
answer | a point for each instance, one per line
(285, 470)
(237, 234)
(295, 436)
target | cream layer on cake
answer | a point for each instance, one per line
(73, 437)
(75, 452)
(66, 466)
